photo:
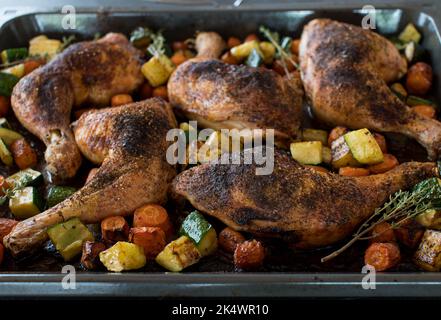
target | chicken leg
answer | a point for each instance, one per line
(130, 141)
(306, 208)
(345, 71)
(220, 95)
(87, 72)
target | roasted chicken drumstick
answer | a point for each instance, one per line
(345, 71)
(130, 141)
(85, 73)
(220, 95)
(306, 208)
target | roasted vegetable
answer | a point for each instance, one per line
(178, 255)
(417, 101)
(242, 51)
(341, 155)
(17, 70)
(43, 47)
(430, 219)
(153, 215)
(409, 234)
(364, 147)
(381, 140)
(5, 155)
(399, 90)
(115, 229)
(410, 33)
(309, 152)
(233, 42)
(6, 225)
(90, 257)
(141, 37)
(425, 111)
(389, 162)
(120, 99)
(201, 232)
(152, 240)
(13, 54)
(383, 232)
(315, 135)
(26, 203)
(68, 237)
(161, 92)
(419, 78)
(254, 59)
(229, 239)
(268, 51)
(24, 155)
(24, 178)
(326, 155)
(382, 256)
(249, 255)
(336, 133)
(353, 172)
(157, 70)
(9, 136)
(428, 255)
(7, 83)
(57, 194)
(123, 256)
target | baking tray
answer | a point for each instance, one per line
(180, 20)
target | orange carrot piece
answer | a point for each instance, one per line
(153, 215)
(382, 256)
(388, 163)
(251, 37)
(317, 168)
(120, 99)
(178, 57)
(233, 42)
(114, 229)
(295, 46)
(419, 78)
(151, 239)
(353, 172)
(249, 255)
(24, 155)
(425, 111)
(229, 239)
(161, 92)
(227, 57)
(383, 232)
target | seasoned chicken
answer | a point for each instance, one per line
(306, 208)
(130, 141)
(85, 73)
(345, 71)
(220, 95)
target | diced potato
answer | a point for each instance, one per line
(326, 155)
(430, 219)
(428, 255)
(123, 256)
(341, 155)
(242, 51)
(410, 33)
(268, 50)
(364, 147)
(178, 255)
(17, 70)
(157, 70)
(309, 152)
(315, 135)
(44, 47)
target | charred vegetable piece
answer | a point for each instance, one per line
(428, 255)
(115, 229)
(24, 178)
(26, 203)
(249, 255)
(353, 172)
(90, 257)
(24, 155)
(123, 256)
(388, 163)
(9, 136)
(341, 154)
(152, 240)
(153, 215)
(382, 256)
(315, 135)
(383, 232)
(229, 239)
(409, 234)
(57, 194)
(6, 225)
(430, 219)
(13, 54)
(7, 83)
(419, 78)
(68, 237)
(410, 33)
(157, 70)
(5, 155)
(179, 254)
(201, 232)
(43, 47)
(417, 101)
(309, 152)
(364, 147)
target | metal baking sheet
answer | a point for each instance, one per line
(182, 19)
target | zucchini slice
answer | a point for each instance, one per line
(364, 147)
(309, 152)
(24, 178)
(201, 232)
(5, 155)
(13, 54)
(68, 237)
(9, 136)
(57, 194)
(26, 203)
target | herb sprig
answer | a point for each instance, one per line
(401, 207)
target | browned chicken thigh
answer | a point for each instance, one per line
(130, 141)
(345, 71)
(85, 73)
(304, 207)
(220, 95)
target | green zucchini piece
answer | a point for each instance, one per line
(69, 236)
(26, 203)
(5, 155)
(14, 54)
(410, 33)
(24, 178)
(4, 123)
(254, 59)
(315, 135)
(7, 83)
(364, 147)
(308, 152)
(201, 232)
(9, 136)
(417, 101)
(57, 194)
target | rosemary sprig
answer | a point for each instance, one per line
(401, 207)
(274, 38)
(157, 47)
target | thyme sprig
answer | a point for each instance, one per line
(158, 45)
(401, 207)
(274, 38)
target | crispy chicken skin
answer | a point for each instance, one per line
(130, 141)
(220, 95)
(85, 73)
(345, 71)
(306, 208)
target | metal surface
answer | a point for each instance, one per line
(19, 24)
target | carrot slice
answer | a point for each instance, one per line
(382, 256)
(120, 99)
(153, 215)
(115, 229)
(388, 163)
(151, 239)
(353, 172)
(425, 111)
